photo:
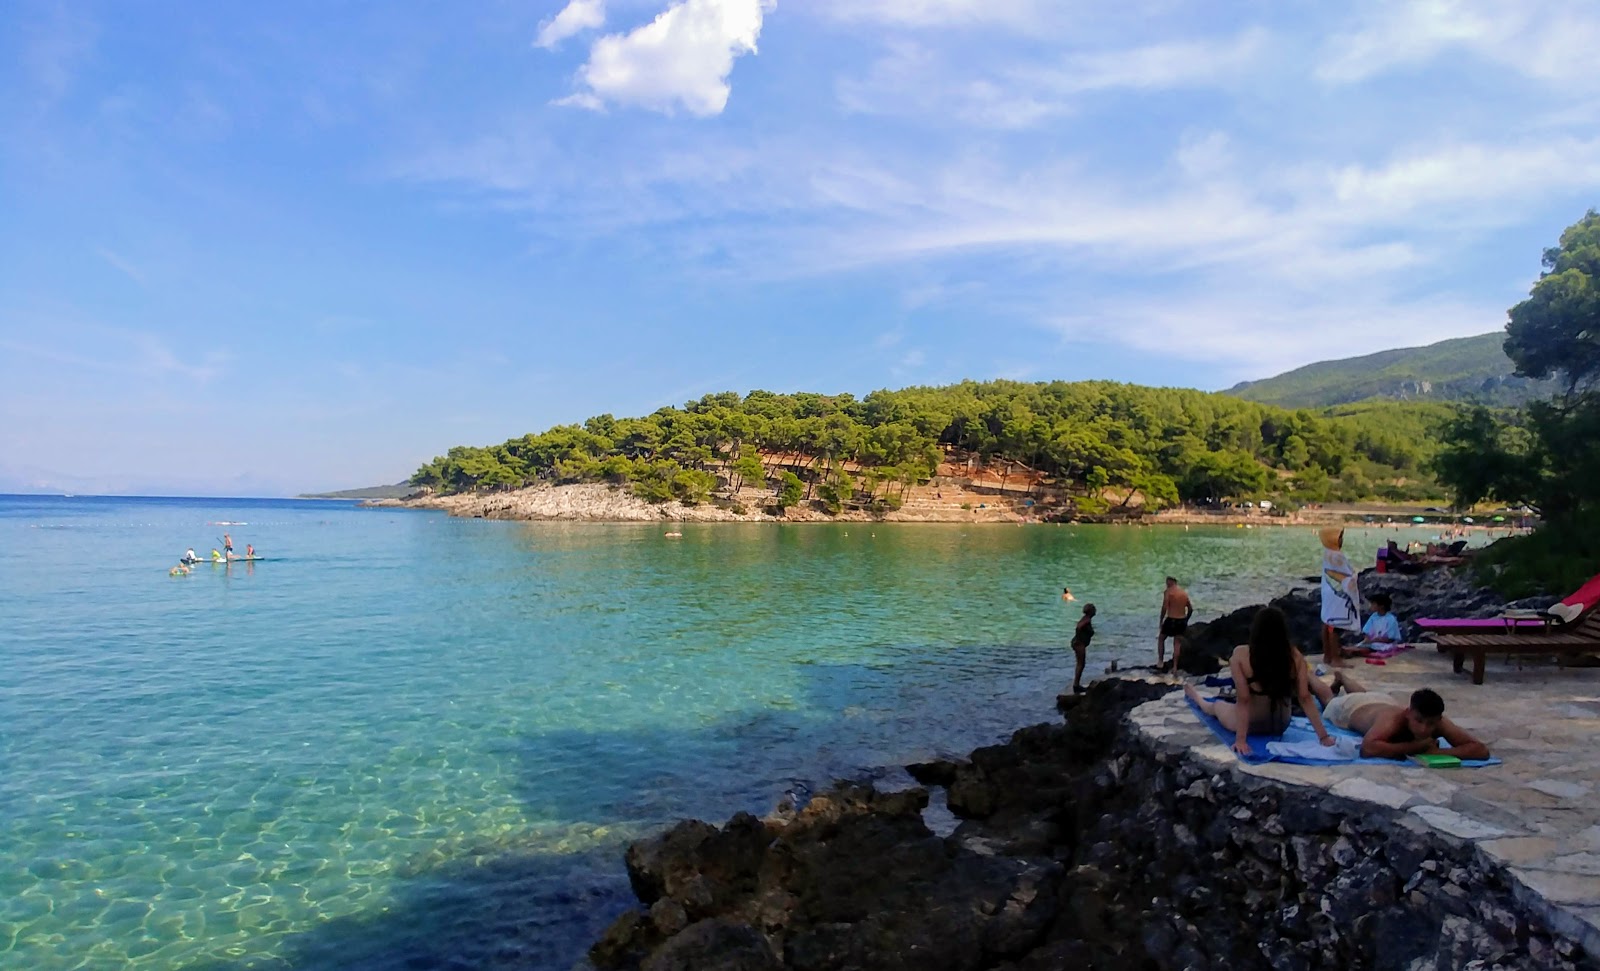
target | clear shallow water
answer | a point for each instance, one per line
(411, 741)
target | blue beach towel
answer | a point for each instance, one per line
(1300, 732)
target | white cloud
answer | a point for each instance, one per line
(681, 59)
(937, 13)
(574, 18)
(1545, 39)
(912, 78)
(1473, 175)
(1165, 65)
(1247, 333)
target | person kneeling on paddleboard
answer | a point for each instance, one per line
(189, 557)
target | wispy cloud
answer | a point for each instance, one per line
(938, 13)
(575, 18)
(56, 45)
(917, 78)
(111, 256)
(1544, 39)
(133, 355)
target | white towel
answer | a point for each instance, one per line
(1342, 750)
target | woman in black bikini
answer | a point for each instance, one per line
(1267, 672)
(1080, 645)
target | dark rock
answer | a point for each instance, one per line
(629, 938)
(715, 945)
(940, 772)
(701, 867)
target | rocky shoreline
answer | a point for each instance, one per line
(1090, 844)
(946, 500)
(1082, 845)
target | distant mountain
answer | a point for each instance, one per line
(397, 491)
(1463, 369)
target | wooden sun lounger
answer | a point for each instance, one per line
(1563, 641)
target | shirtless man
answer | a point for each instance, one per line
(1392, 731)
(1175, 613)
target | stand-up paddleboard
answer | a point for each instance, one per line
(240, 559)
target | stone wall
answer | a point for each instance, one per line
(1084, 845)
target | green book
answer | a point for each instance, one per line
(1437, 761)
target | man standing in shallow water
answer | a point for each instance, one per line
(1176, 609)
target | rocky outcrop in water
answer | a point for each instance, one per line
(1083, 845)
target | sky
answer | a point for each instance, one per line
(270, 248)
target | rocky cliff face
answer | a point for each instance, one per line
(1082, 846)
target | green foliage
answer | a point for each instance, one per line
(790, 489)
(1547, 561)
(1096, 438)
(748, 468)
(1556, 331)
(1472, 369)
(1547, 457)
(692, 486)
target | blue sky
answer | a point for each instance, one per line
(264, 248)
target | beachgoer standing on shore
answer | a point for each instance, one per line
(1176, 609)
(1080, 645)
(1340, 591)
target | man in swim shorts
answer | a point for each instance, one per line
(1175, 613)
(1392, 731)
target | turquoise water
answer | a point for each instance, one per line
(409, 741)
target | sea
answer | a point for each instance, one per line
(405, 741)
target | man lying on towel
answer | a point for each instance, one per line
(1392, 731)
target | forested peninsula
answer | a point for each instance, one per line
(1088, 447)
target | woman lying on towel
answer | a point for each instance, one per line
(1267, 673)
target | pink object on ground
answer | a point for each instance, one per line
(1580, 602)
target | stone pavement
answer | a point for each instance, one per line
(1537, 815)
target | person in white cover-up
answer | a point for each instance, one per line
(1341, 594)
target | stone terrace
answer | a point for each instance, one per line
(1538, 815)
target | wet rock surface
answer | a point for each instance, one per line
(1084, 844)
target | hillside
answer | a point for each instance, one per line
(1464, 369)
(397, 491)
(1095, 443)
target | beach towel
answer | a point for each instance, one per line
(1388, 651)
(1295, 744)
(1340, 594)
